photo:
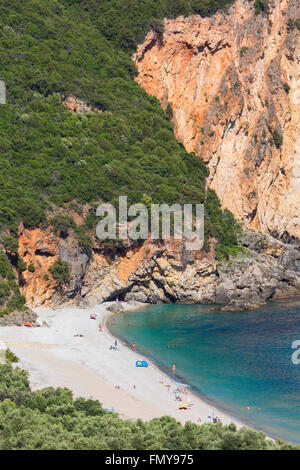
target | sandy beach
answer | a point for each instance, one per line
(55, 357)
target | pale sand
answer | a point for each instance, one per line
(54, 357)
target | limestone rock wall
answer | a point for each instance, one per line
(158, 273)
(233, 82)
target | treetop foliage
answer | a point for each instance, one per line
(52, 419)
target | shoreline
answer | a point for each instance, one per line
(216, 407)
(55, 357)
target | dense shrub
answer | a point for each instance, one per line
(11, 243)
(277, 137)
(221, 226)
(261, 6)
(10, 356)
(6, 271)
(243, 50)
(60, 271)
(30, 213)
(21, 265)
(83, 238)
(31, 268)
(10, 298)
(52, 419)
(62, 223)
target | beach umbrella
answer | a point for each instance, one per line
(141, 364)
(184, 406)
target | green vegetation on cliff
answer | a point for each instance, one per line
(126, 23)
(50, 157)
(10, 298)
(60, 271)
(52, 419)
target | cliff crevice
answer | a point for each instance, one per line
(233, 82)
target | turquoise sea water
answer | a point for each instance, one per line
(233, 359)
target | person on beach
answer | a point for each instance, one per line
(116, 344)
(133, 346)
(174, 369)
(100, 326)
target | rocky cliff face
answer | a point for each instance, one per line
(233, 82)
(156, 272)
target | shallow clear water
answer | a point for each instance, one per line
(234, 359)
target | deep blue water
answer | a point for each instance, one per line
(233, 359)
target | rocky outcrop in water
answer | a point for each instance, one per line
(268, 269)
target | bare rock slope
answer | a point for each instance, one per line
(157, 272)
(233, 82)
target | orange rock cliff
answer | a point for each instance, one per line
(233, 82)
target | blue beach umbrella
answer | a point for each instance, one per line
(141, 364)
